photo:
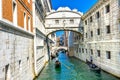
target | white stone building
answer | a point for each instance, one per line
(40, 7)
(102, 35)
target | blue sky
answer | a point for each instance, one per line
(80, 5)
(59, 33)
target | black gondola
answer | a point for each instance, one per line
(92, 66)
(57, 64)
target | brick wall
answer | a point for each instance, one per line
(23, 6)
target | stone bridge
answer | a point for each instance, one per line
(64, 19)
(55, 49)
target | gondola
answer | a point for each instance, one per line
(57, 64)
(93, 67)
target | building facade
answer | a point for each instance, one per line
(77, 45)
(16, 40)
(102, 35)
(40, 8)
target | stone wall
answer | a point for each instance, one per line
(40, 53)
(16, 51)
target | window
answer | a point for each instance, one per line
(108, 54)
(28, 61)
(107, 8)
(82, 39)
(29, 1)
(86, 50)
(91, 19)
(86, 35)
(98, 31)
(71, 21)
(20, 66)
(108, 29)
(25, 21)
(91, 33)
(85, 22)
(77, 50)
(82, 50)
(14, 13)
(91, 52)
(97, 15)
(29, 24)
(98, 53)
(56, 21)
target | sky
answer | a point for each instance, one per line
(80, 5)
(59, 33)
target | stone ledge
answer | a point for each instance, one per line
(15, 27)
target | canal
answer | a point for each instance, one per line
(72, 69)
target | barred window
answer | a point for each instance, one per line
(91, 19)
(108, 54)
(86, 50)
(91, 52)
(108, 29)
(80, 50)
(86, 35)
(56, 21)
(91, 33)
(98, 52)
(97, 14)
(107, 8)
(85, 22)
(83, 50)
(98, 31)
(71, 21)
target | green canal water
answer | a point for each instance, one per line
(72, 69)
